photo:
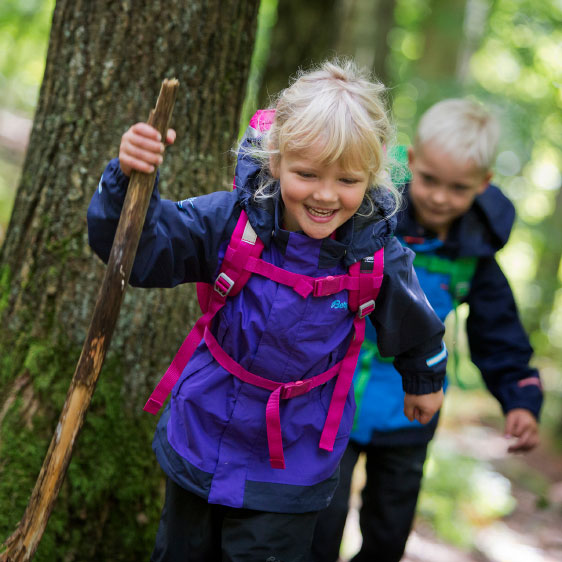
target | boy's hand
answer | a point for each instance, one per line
(422, 407)
(142, 148)
(522, 424)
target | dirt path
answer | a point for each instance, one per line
(531, 532)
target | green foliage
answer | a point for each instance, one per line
(460, 494)
(5, 279)
(24, 32)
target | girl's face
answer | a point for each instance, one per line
(318, 198)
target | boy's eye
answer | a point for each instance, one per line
(428, 178)
(460, 187)
(349, 181)
(304, 174)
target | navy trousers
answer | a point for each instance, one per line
(192, 530)
(389, 501)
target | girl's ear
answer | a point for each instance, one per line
(274, 166)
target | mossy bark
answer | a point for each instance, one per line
(105, 64)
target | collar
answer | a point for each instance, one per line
(480, 232)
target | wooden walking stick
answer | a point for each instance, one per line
(23, 543)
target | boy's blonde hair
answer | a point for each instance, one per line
(342, 112)
(463, 129)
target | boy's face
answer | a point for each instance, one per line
(318, 198)
(441, 188)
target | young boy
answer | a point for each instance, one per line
(455, 221)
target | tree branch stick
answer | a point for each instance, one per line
(23, 543)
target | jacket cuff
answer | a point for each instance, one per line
(422, 384)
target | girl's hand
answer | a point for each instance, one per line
(142, 148)
(422, 407)
(521, 423)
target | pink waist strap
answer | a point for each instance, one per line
(288, 390)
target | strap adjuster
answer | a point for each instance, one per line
(223, 284)
(296, 388)
(366, 308)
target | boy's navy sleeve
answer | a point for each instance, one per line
(407, 326)
(498, 343)
(179, 241)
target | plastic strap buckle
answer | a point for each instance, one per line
(297, 388)
(366, 308)
(327, 286)
(223, 285)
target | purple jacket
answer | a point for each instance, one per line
(211, 439)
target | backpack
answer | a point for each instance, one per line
(241, 260)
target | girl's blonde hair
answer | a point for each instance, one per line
(339, 110)
(462, 128)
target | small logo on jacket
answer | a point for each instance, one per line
(339, 304)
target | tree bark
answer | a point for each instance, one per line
(105, 63)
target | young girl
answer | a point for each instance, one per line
(260, 416)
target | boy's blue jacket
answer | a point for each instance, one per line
(498, 344)
(211, 439)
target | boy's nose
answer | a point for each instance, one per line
(439, 195)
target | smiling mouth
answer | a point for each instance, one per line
(320, 212)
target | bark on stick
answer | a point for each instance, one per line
(23, 543)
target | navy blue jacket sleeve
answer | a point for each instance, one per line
(179, 242)
(407, 327)
(498, 343)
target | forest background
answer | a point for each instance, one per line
(505, 53)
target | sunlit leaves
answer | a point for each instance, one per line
(24, 32)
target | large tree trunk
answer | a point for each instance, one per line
(308, 33)
(305, 34)
(363, 33)
(105, 63)
(443, 32)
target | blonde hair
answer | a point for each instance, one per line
(463, 129)
(339, 109)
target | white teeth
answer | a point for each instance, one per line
(321, 213)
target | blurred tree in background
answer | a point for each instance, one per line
(103, 72)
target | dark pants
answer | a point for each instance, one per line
(389, 503)
(192, 530)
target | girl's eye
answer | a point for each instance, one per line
(305, 174)
(349, 181)
(428, 178)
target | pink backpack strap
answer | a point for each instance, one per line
(230, 280)
(369, 274)
(369, 271)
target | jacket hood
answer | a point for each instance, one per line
(357, 238)
(480, 232)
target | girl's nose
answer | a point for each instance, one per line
(325, 192)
